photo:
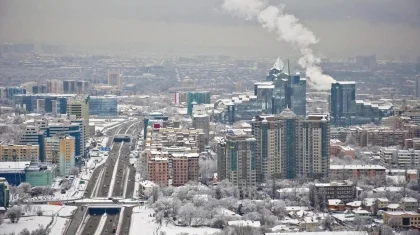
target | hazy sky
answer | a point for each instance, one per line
(345, 27)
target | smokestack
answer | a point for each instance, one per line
(288, 29)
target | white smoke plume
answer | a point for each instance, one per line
(288, 29)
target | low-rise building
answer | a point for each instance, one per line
(372, 172)
(382, 203)
(405, 219)
(335, 190)
(409, 204)
(41, 174)
(402, 158)
(17, 153)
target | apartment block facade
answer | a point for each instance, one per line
(17, 153)
(288, 146)
(158, 171)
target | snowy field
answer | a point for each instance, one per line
(141, 221)
(32, 223)
(63, 211)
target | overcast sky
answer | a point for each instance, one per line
(345, 27)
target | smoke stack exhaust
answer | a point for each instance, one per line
(287, 28)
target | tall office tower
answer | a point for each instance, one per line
(342, 103)
(69, 87)
(418, 86)
(114, 78)
(289, 146)
(78, 107)
(239, 162)
(289, 90)
(82, 87)
(4, 193)
(297, 94)
(202, 121)
(39, 89)
(276, 70)
(264, 92)
(55, 86)
(198, 97)
(67, 154)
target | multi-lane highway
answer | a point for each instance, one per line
(114, 179)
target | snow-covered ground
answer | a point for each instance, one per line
(32, 223)
(141, 220)
(101, 124)
(63, 211)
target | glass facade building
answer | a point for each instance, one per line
(198, 97)
(343, 103)
(103, 106)
(4, 193)
(51, 103)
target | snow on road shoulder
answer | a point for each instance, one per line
(142, 220)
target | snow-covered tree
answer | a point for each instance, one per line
(14, 214)
(187, 213)
(24, 188)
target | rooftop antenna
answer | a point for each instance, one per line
(288, 67)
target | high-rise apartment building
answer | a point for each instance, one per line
(342, 103)
(18, 153)
(221, 159)
(70, 87)
(82, 87)
(157, 168)
(185, 168)
(55, 86)
(78, 106)
(202, 121)
(114, 78)
(289, 146)
(52, 149)
(4, 193)
(238, 162)
(67, 154)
